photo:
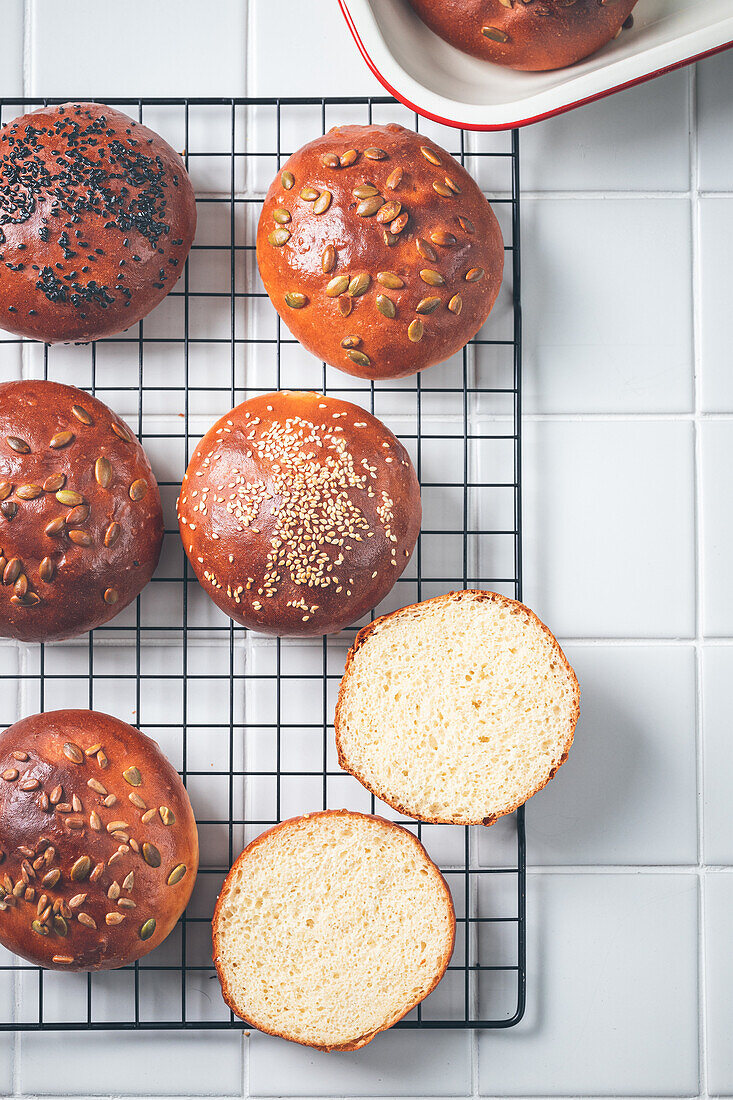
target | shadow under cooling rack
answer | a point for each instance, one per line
(247, 720)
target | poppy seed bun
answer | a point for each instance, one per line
(97, 216)
(298, 513)
(472, 742)
(330, 928)
(379, 251)
(98, 843)
(81, 524)
(526, 34)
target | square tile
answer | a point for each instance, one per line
(128, 1064)
(396, 1063)
(607, 306)
(719, 982)
(11, 74)
(6, 1053)
(612, 975)
(637, 720)
(717, 675)
(608, 523)
(178, 54)
(717, 523)
(638, 140)
(716, 322)
(714, 122)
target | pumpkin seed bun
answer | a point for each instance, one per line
(379, 251)
(526, 34)
(97, 216)
(98, 843)
(81, 524)
(298, 512)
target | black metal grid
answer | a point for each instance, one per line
(228, 706)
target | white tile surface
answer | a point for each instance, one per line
(608, 308)
(159, 49)
(717, 519)
(719, 982)
(629, 1025)
(638, 140)
(637, 720)
(393, 1064)
(717, 676)
(609, 527)
(11, 73)
(716, 318)
(715, 124)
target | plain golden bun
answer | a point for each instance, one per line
(97, 216)
(298, 512)
(98, 843)
(526, 34)
(330, 928)
(379, 251)
(81, 524)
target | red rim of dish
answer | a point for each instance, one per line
(523, 121)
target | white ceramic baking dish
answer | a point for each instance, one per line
(450, 87)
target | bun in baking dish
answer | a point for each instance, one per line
(379, 251)
(330, 928)
(98, 843)
(97, 216)
(81, 524)
(474, 739)
(298, 512)
(526, 34)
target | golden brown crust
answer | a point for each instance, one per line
(333, 277)
(526, 34)
(97, 216)
(68, 461)
(94, 822)
(463, 594)
(362, 1040)
(298, 512)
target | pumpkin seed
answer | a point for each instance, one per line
(495, 34)
(51, 877)
(138, 489)
(18, 445)
(431, 277)
(287, 179)
(80, 538)
(56, 795)
(474, 274)
(9, 509)
(29, 492)
(427, 305)
(81, 414)
(415, 330)
(29, 600)
(365, 191)
(359, 285)
(77, 515)
(55, 527)
(394, 179)
(61, 439)
(54, 482)
(281, 216)
(322, 203)
(279, 237)
(166, 815)
(390, 280)
(389, 211)
(176, 874)
(40, 928)
(60, 926)
(359, 358)
(337, 286)
(6, 489)
(426, 250)
(12, 571)
(455, 305)
(132, 776)
(330, 160)
(309, 194)
(367, 208)
(442, 189)
(428, 153)
(46, 570)
(73, 753)
(103, 472)
(373, 153)
(453, 185)
(442, 237)
(123, 432)
(345, 306)
(10, 775)
(147, 929)
(69, 497)
(296, 300)
(400, 222)
(21, 585)
(151, 855)
(328, 259)
(79, 871)
(390, 239)
(112, 534)
(351, 341)
(466, 224)
(111, 596)
(386, 306)
(348, 158)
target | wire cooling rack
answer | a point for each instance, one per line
(246, 719)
